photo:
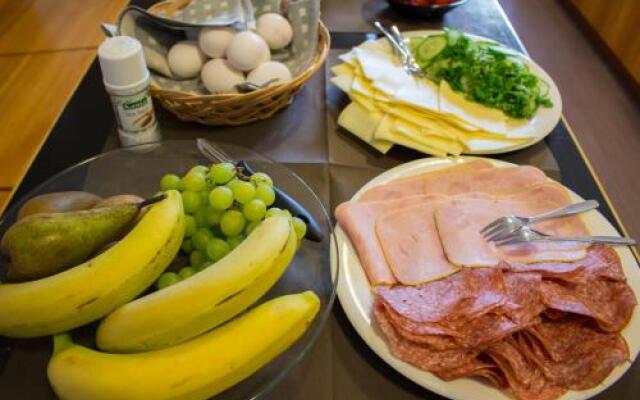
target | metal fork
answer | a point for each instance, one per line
(396, 40)
(504, 226)
(528, 234)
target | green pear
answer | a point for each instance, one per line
(58, 202)
(41, 245)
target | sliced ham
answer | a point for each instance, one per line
(411, 245)
(358, 221)
(413, 185)
(494, 181)
(460, 220)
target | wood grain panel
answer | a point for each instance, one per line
(617, 24)
(34, 90)
(46, 25)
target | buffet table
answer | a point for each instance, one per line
(306, 138)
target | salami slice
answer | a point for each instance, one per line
(423, 357)
(610, 303)
(572, 353)
(600, 262)
(466, 294)
(524, 379)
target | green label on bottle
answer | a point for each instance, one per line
(133, 104)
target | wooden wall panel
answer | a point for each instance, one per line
(618, 24)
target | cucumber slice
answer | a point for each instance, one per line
(453, 36)
(430, 47)
(415, 42)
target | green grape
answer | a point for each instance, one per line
(232, 223)
(194, 181)
(190, 225)
(261, 177)
(214, 216)
(202, 217)
(254, 210)
(217, 248)
(273, 211)
(186, 272)
(201, 238)
(265, 193)
(197, 258)
(221, 198)
(251, 226)
(186, 246)
(204, 197)
(167, 279)
(243, 192)
(200, 169)
(190, 201)
(170, 182)
(234, 241)
(222, 173)
(287, 213)
(300, 227)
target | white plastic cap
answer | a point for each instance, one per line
(122, 63)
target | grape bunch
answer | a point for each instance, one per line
(221, 208)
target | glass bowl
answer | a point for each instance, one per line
(138, 172)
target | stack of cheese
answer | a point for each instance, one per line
(389, 106)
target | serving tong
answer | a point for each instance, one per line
(283, 200)
(513, 229)
(397, 41)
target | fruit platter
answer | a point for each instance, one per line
(163, 273)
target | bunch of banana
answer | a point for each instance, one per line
(96, 287)
(207, 299)
(196, 369)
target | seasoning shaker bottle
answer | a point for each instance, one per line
(126, 78)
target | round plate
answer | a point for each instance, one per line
(356, 298)
(126, 171)
(539, 126)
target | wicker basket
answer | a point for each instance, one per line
(236, 108)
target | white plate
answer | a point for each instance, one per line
(541, 124)
(356, 298)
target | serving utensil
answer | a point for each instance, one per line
(528, 234)
(246, 87)
(283, 200)
(502, 227)
(398, 43)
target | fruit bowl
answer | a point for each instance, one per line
(138, 172)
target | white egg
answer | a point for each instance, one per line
(185, 59)
(220, 77)
(247, 50)
(275, 29)
(269, 70)
(214, 41)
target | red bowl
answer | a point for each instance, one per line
(424, 8)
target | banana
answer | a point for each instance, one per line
(205, 300)
(91, 290)
(196, 369)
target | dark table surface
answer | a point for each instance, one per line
(335, 164)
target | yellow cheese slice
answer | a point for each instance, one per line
(361, 123)
(343, 82)
(443, 144)
(485, 118)
(342, 69)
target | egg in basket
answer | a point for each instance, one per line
(228, 62)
